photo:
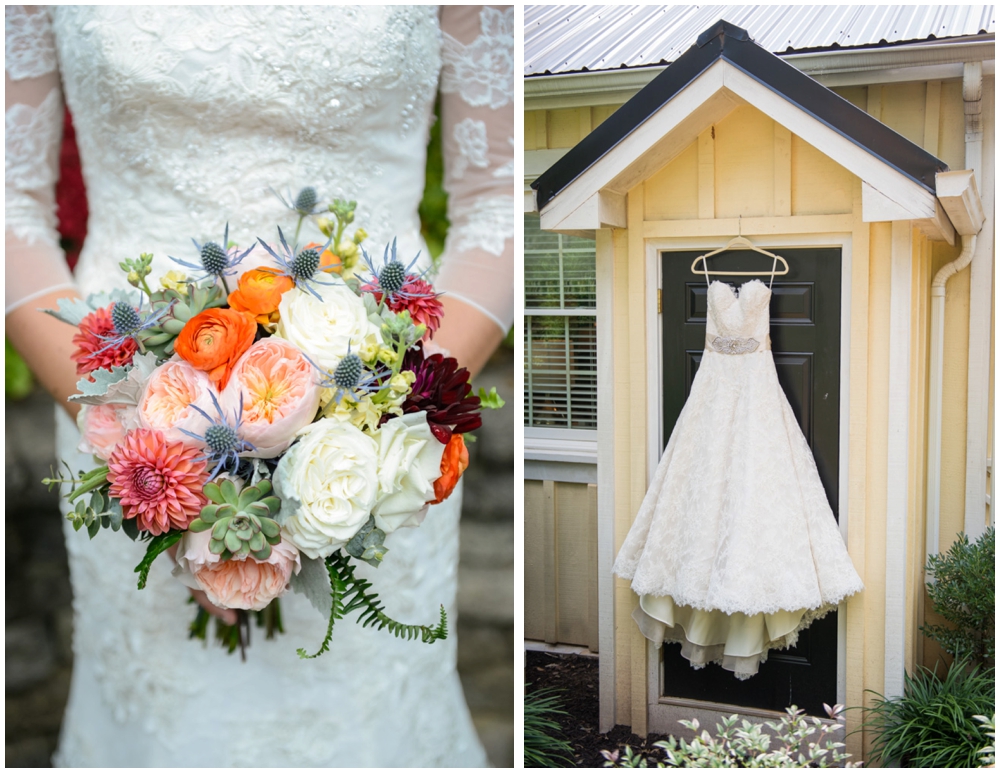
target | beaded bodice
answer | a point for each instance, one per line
(737, 321)
(186, 116)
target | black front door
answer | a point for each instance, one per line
(805, 340)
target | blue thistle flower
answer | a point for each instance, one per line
(301, 266)
(350, 378)
(304, 204)
(394, 279)
(216, 260)
(223, 444)
(129, 322)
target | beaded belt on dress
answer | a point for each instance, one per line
(731, 345)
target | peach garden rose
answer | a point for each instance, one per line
(102, 427)
(280, 395)
(167, 399)
(235, 584)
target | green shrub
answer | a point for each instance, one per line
(541, 748)
(934, 724)
(988, 754)
(961, 586)
(17, 378)
(795, 741)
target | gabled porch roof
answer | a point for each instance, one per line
(723, 70)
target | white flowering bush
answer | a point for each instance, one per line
(795, 741)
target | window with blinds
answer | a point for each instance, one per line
(560, 330)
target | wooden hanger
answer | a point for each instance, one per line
(742, 243)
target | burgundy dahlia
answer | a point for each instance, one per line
(443, 390)
(416, 296)
(93, 349)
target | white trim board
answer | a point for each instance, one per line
(661, 709)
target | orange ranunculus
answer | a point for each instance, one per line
(328, 261)
(214, 340)
(259, 293)
(454, 462)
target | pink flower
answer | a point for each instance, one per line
(158, 482)
(236, 584)
(103, 427)
(416, 296)
(93, 351)
(280, 392)
(166, 399)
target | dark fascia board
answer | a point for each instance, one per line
(733, 44)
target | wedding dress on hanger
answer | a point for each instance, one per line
(185, 117)
(735, 549)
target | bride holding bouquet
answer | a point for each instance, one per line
(187, 119)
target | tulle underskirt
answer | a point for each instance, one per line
(738, 642)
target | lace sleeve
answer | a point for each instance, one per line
(33, 120)
(477, 117)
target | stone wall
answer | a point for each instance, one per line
(39, 615)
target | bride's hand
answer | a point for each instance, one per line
(227, 616)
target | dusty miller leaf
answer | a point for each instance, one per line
(313, 582)
(118, 385)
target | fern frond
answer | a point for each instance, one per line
(337, 590)
(373, 613)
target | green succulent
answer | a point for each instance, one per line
(240, 521)
(160, 338)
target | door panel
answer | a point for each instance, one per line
(805, 341)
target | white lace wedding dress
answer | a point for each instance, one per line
(735, 548)
(184, 118)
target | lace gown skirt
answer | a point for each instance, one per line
(144, 695)
(735, 548)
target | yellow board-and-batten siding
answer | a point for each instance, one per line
(748, 166)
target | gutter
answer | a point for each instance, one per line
(933, 60)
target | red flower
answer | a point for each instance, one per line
(416, 296)
(71, 195)
(158, 482)
(93, 351)
(443, 390)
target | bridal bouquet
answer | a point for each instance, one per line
(271, 425)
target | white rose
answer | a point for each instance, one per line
(324, 329)
(328, 484)
(409, 461)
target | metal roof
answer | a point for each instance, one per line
(567, 38)
(725, 41)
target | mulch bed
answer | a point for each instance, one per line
(576, 679)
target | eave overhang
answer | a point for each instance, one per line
(722, 71)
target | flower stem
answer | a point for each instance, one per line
(298, 227)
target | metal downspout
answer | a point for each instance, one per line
(972, 93)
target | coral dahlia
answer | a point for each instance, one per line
(158, 482)
(443, 390)
(416, 296)
(94, 350)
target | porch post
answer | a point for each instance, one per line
(897, 463)
(605, 476)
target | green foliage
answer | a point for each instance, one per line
(963, 592)
(96, 512)
(237, 636)
(158, 544)
(350, 593)
(17, 378)
(368, 544)
(542, 749)
(490, 399)
(796, 741)
(933, 725)
(988, 754)
(434, 205)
